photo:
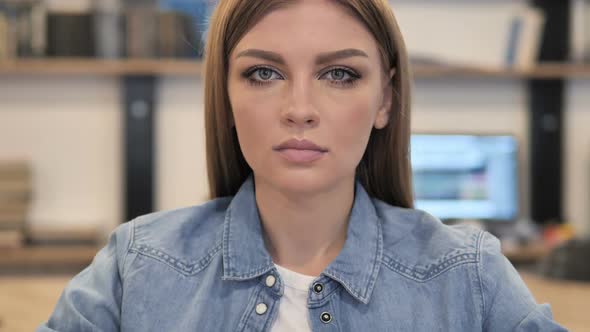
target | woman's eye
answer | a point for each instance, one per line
(341, 76)
(265, 74)
(261, 75)
(338, 74)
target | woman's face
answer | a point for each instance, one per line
(307, 71)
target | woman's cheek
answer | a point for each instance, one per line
(358, 119)
(254, 123)
(361, 124)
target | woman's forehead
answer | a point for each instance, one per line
(308, 28)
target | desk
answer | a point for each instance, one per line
(47, 258)
(530, 253)
(26, 301)
(569, 300)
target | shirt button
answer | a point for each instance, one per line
(326, 317)
(318, 288)
(261, 308)
(270, 280)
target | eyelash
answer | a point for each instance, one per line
(343, 83)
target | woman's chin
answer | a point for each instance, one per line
(302, 182)
(301, 186)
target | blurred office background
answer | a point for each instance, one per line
(101, 120)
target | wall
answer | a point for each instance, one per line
(71, 128)
(576, 171)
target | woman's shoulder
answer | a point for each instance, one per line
(179, 236)
(421, 245)
(195, 217)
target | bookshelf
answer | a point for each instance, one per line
(541, 71)
(80, 66)
(139, 75)
(76, 257)
(63, 257)
(193, 68)
(70, 257)
(53, 249)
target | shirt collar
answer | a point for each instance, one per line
(356, 267)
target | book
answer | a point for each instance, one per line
(141, 30)
(11, 239)
(70, 35)
(24, 25)
(189, 44)
(25, 20)
(133, 4)
(4, 224)
(199, 13)
(38, 29)
(586, 32)
(107, 6)
(42, 234)
(485, 35)
(3, 36)
(6, 207)
(10, 46)
(166, 34)
(13, 215)
(175, 37)
(15, 196)
(13, 218)
(109, 29)
(15, 191)
(69, 6)
(524, 40)
(14, 169)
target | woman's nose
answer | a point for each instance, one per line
(299, 109)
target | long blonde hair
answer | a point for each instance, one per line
(385, 168)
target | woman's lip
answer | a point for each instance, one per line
(301, 156)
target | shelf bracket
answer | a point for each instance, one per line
(139, 150)
(546, 117)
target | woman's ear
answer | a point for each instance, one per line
(382, 118)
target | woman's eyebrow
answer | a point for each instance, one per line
(322, 58)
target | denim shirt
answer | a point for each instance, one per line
(205, 268)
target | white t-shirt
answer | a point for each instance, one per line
(293, 314)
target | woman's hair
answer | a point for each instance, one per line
(384, 170)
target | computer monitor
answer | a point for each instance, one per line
(466, 176)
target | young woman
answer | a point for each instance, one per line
(311, 226)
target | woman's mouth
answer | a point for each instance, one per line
(301, 156)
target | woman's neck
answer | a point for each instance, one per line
(304, 233)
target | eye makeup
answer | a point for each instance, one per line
(341, 76)
(352, 79)
(249, 73)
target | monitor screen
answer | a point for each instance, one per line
(458, 177)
